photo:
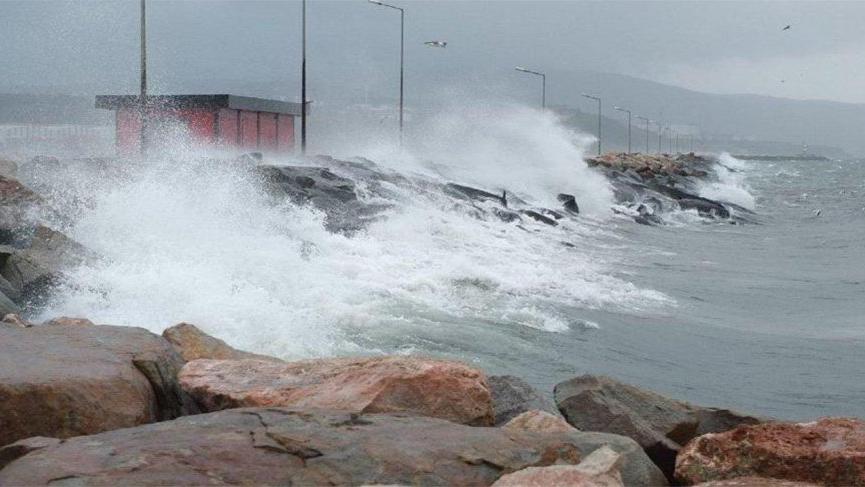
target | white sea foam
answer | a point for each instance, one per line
(731, 185)
(190, 240)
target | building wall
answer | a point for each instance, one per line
(227, 127)
(128, 130)
(267, 131)
(285, 132)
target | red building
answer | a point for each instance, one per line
(223, 121)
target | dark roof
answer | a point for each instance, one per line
(113, 102)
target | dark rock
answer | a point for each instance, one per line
(569, 202)
(473, 193)
(659, 424)
(7, 306)
(513, 396)
(63, 381)
(534, 215)
(278, 446)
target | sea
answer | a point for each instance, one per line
(766, 317)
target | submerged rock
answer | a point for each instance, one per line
(279, 446)
(830, 451)
(435, 388)
(193, 344)
(659, 424)
(62, 381)
(513, 396)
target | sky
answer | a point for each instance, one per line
(209, 45)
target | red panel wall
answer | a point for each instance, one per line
(200, 123)
(267, 131)
(286, 132)
(248, 130)
(227, 127)
(127, 131)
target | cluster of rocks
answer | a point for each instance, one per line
(652, 165)
(99, 405)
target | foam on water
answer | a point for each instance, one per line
(187, 239)
(730, 185)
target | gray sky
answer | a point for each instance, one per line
(723, 47)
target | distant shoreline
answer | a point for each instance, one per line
(781, 158)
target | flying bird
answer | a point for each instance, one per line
(786, 27)
(436, 43)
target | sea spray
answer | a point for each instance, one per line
(188, 238)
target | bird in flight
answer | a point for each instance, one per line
(436, 43)
(786, 27)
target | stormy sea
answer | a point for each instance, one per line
(467, 246)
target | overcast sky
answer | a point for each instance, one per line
(722, 47)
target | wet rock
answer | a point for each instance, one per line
(830, 451)
(569, 202)
(14, 451)
(513, 396)
(67, 321)
(8, 168)
(7, 306)
(15, 321)
(462, 191)
(279, 446)
(599, 469)
(659, 424)
(63, 381)
(534, 215)
(193, 344)
(540, 421)
(427, 387)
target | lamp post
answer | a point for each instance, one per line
(543, 83)
(647, 131)
(303, 81)
(629, 125)
(597, 99)
(670, 133)
(401, 59)
(660, 135)
(142, 95)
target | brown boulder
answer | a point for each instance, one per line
(428, 387)
(600, 469)
(280, 446)
(755, 482)
(830, 451)
(62, 381)
(540, 421)
(193, 344)
(659, 424)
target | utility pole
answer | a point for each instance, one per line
(142, 95)
(401, 60)
(303, 81)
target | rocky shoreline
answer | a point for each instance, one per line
(100, 405)
(88, 404)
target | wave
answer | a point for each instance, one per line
(730, 184)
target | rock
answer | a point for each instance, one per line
(513, 396)
(534, 215)
(600, 469)
(427, 387)
(830, 451)
(193, 344)
(35, 269)
(569, 202)
(468, 192)
(540, 421)
(67, 321)
(659, 424)
(16, 450)
(7, 306)
(280, 446)
(754, 482)
(63, 381)
(15, 321)
(8, 168)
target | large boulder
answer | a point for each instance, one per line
(600, 469)
(70, 379)
(281, 446)
(428, 387)
(513, 396)
(659, 424)
(193, 344)
(830, 451)
(540, 421)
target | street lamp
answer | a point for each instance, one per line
(303, 81)
(660, 136)
(401, 58)
(597, 99)
(142, 95)
(647, 131)
(629, 125)
(543, 83)
(671, 132)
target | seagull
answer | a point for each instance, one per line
(436, 43)
(786, 27)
